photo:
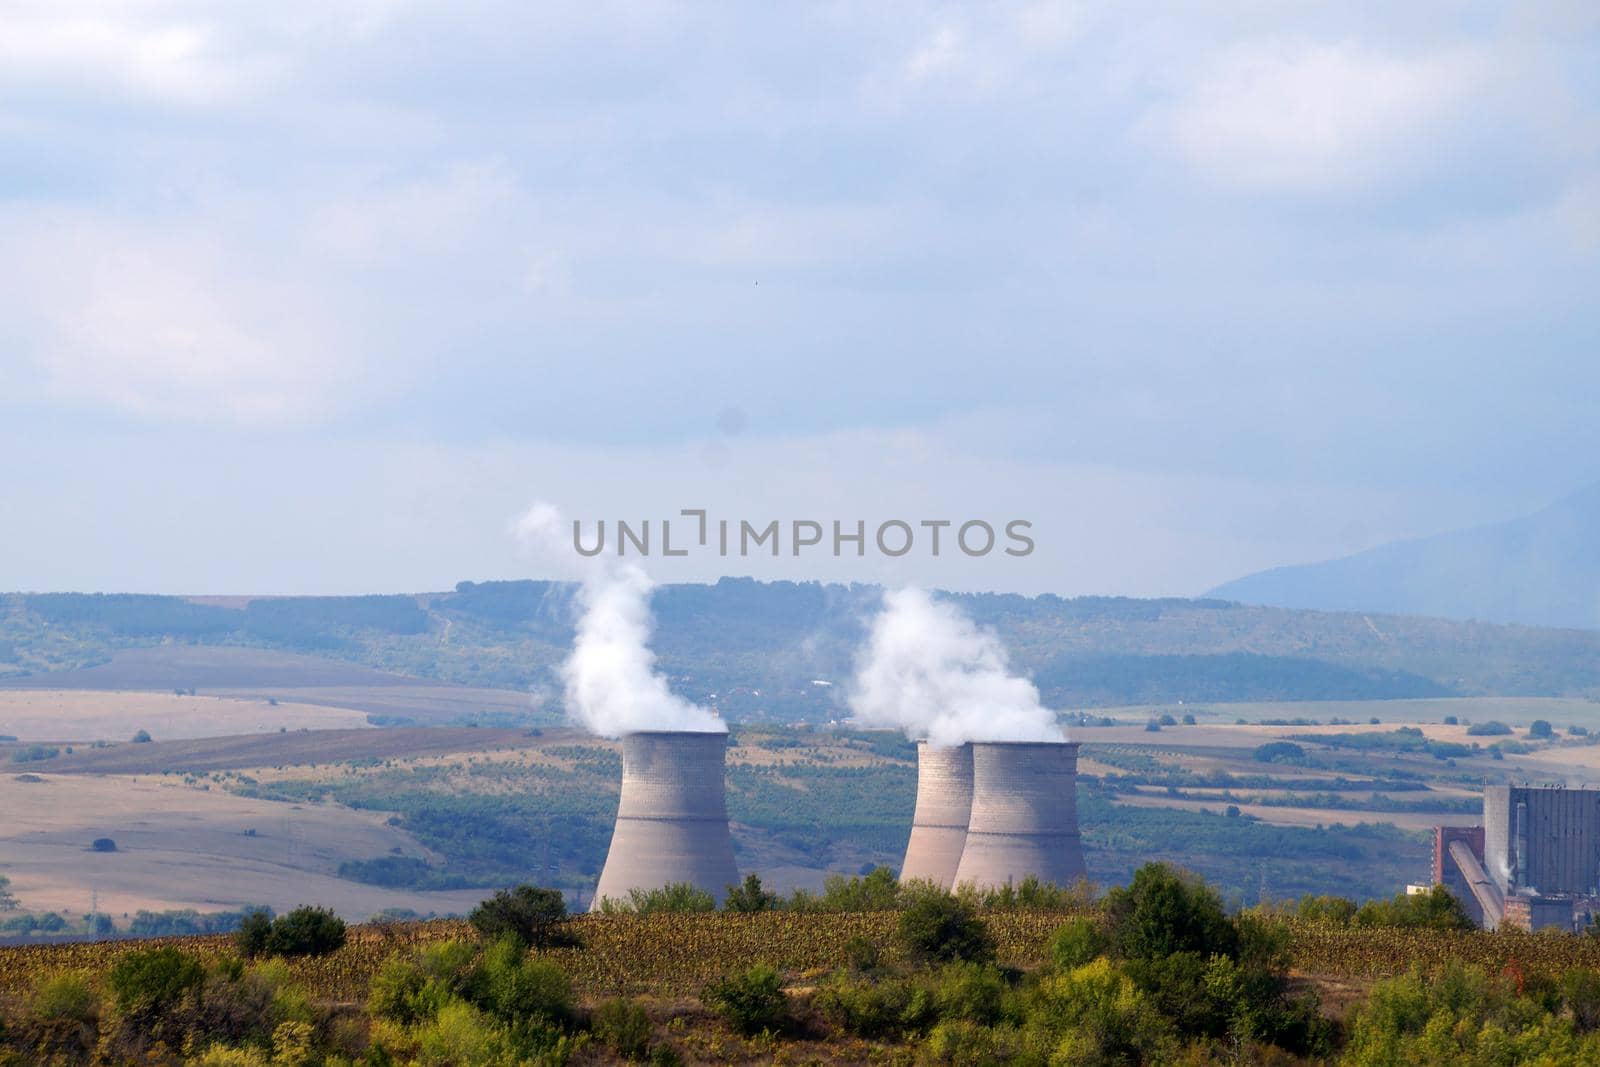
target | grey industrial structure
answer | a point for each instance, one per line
(988, 814)
(1535, 861)
(1024, 817)
(672, 817)
(939, 824)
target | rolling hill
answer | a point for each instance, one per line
(1539, 570)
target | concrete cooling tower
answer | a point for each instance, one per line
(939, 826)
(1024, 815)
(672, 820)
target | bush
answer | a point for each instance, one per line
(142, 737)
(963, 1043)
(63, 1020)
(533, 915)
(677, 897)
(519, 988)
(1280, 752)
(749, 896)
(623, 1027)
(751, 1001)
(877, 890)
(1488, 729)
(1077, 942)
(1436, 909)
(103, 844)
(940, 927)
(253, 934)
(1540, 728)
(1326, 909)
(861, 954)
(970, 991)
(884, 1008)
(305, 931)
(150, 981)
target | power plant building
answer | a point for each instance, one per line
(672, 817)
(1024, 817)
(944, 804)
(1535, 861)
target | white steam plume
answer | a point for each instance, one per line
(928, 670)
(612, 686)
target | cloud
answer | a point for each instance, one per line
(1297, 116)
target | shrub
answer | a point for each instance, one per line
(1540, 728)
(677, 897)
(970, 991)
(1077, 942)
(1326, 908)
(305, 931)
(940, 927)
(751, 1001)
(63, 1020)
(253, 934)
(877, 890)
(520, 988)
(861, 954)
(1488, 729)
(150, 981)
(65, 997)
(1280, 752)
(142, 737)
(883, 1008)
(103, 844)
(749, 896)
(963, 1043)
(623, 1027)
(533, 915)
(1436, 909)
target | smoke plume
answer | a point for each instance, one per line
(928, 670)
(612, 685)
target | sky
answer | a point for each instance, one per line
(321, 297)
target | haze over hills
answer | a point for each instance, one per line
(1539, 570)
(755, 650)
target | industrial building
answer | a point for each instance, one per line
(939, 824)
(1024, 815)
(1534, 863)
(672, 817)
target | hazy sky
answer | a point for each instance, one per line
(319, 297)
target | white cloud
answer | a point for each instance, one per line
(1314, 117)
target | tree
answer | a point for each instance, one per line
(749, 896)
(937, 926)
(103, 844)
(1540, 728)
(532, 914)
(304, 931)
(7, 900)
(1162, 912)
(142, 737)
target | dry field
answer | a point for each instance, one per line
(99, 715)
(187, 846)
(297, 748)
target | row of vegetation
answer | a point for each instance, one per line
(1156, 972)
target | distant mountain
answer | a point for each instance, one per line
(1541, 570)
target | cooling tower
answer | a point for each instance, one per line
(939, 826)
(672, 820)
(1024, 815)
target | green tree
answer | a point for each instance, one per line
(535, 916)
(1162, 912)
(749, 896)
(939, 927)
